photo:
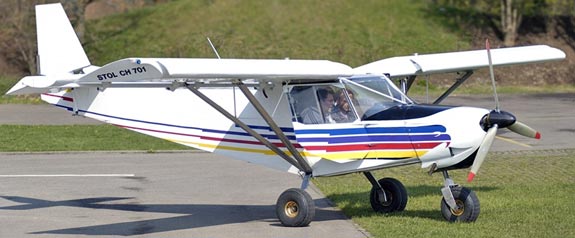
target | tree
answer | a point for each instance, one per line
(511, 16)
(76, 12)
(18, 30)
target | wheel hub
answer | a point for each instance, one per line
(460, 208)
(291, 209)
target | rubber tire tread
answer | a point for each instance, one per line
(470, 204)
(394, 189)
(306, 208)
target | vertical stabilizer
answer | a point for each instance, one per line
(59, 49)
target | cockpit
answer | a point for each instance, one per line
(345, 100)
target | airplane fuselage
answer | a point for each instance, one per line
(403, 133)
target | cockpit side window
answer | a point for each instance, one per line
(319, 104)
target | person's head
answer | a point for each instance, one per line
(326, 98)
(344, 106)
(342, 103)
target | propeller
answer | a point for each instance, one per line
(482, 153)
(494, 120)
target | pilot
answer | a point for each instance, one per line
(311, 115)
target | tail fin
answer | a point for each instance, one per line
(59, 49)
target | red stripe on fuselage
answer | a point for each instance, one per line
(379, 146)
(206, 137)
(69, 99)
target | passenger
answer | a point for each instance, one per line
(342, 111)
(311, 115)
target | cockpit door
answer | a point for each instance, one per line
(323, 126)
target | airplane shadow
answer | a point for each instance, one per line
(191, 215)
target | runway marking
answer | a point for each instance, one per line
(63, 175)
(513, 141)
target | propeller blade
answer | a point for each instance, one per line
(524, 130)
(482, 153)
(488, 48)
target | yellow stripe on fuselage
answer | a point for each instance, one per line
(329, 156)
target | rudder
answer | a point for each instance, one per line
(59, 49)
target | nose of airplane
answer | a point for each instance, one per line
(492, 121)
(502, 119)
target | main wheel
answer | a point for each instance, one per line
(467, 206)
(394, 192)
(295, 208)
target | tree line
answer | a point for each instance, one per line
(507, 15)
(18, 27)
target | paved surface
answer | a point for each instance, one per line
(195, 194)
(553, 115)
(170, 195)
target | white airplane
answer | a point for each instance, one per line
(308, 117)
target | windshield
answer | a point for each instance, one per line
(383, 85)
(370, 95)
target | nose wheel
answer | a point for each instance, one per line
(466, 206)
(459, 204)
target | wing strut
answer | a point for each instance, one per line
(455, 85)
(301, 165)
(266, 116)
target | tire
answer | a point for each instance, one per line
(395, 193)
(467, 200)
(295, 208)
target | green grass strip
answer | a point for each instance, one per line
(524, 194)
(29, 138)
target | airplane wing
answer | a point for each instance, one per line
(403, 66)
(163, 72)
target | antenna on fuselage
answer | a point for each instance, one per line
(213, 48)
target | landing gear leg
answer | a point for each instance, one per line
(295, 207)
(458, 203)
(387, 195)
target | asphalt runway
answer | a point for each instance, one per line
(150, 195)
(189, 194)
(553, 115)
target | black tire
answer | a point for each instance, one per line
(295, 208)
(468, 203)
(395, 193)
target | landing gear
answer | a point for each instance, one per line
(458, 203)
(387, 195)
(467, 206)
(295, 208)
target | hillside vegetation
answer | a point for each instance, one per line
(341, 30)
(344, 31)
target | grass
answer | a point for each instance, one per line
(522, 194)
(340, 30)
(29, 138)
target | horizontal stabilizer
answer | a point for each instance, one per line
(459, 61)
(40, 84)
